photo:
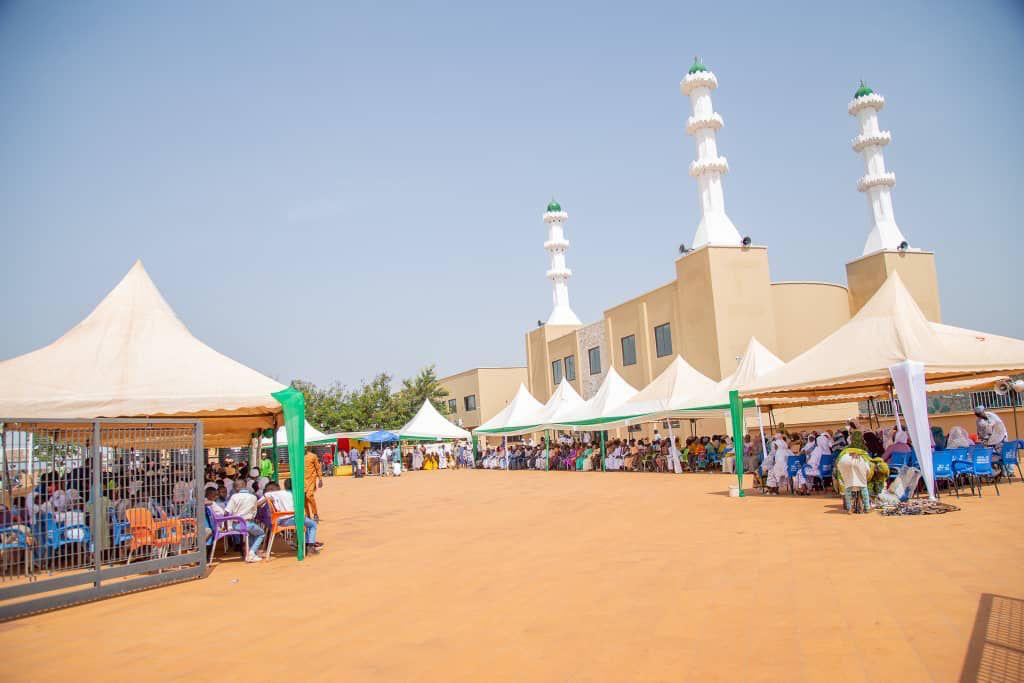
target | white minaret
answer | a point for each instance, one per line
(715, 226)
(876, 182)
(559, 275)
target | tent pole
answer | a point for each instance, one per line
(676, 468)
(274, 447)
(604, 450)
(547, 450)
(760, 426)
(736, 408)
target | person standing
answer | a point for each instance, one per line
(353, 460)
(314, 479)
(266, 465)
(385, 461)
(992, 433)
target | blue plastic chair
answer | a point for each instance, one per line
(794, 466)
(54, 536)
(118, 529)
(897, 461)
(825, 466)
(20, 542)
(981, 466)
(942, 469)
(1011, 458)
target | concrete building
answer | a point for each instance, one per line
(722, 292)
(475, 396)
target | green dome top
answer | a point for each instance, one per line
(553, 206)
(697, 66)
(863, 91)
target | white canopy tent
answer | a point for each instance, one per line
(889, 345)
(427, 423)
(564, 401)
(313, 437)
(522, 410)
(133, 357)
(604, 405)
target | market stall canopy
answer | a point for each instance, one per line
(381, 436)
(428, 423)
(604, 405)
(564, 402)
(133, 357)
(855, 360)
(522, 411)
(314, 437)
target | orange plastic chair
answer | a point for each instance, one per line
(276, 526)
(151, 533)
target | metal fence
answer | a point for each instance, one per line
(92, 508)
(950, 403)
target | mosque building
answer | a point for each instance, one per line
(722, 293)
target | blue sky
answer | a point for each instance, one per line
(329, 190)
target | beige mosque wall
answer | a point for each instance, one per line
(492, 389)
(806, 313)
(741, 308)
(566, 346)
(538, 358)
(917, 269)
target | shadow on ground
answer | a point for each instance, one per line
(995, 652)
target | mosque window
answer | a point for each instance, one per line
(629, 350)
(594, 356)
(570, 368)
(556, 371)
(663, 340)
(452, 406)
(470, 402)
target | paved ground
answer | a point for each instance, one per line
(485, 576)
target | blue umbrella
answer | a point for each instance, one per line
(381, 436)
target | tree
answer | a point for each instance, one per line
(373, 405)
(424, 386)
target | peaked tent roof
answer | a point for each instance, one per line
(133, 357)
(563, 401)
(606, 403)
(523, 409)
(312, 434)
(427, 422)
(670, 390)
(889, 329)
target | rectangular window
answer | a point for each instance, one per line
(629, 350)
(663, 340)
(470, 402)
(452, 406)
(570, 368)
(594, 356)
(556, 371)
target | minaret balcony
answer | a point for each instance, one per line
(702, 166)
(879, 139)
(875, 180)
(700, 79)
(555, 217)
(557, 245)
(558, 274)
(695, 123)
(874, 100)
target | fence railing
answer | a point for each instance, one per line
(84, 502)
(949, 403)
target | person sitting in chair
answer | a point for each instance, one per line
(284, 502)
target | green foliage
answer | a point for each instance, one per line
(373, 405)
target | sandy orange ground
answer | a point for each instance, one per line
(456, 575)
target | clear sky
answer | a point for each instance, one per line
(329, 190)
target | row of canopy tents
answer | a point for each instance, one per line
(887, 349)
(426, 425)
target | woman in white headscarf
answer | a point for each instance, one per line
(958, 438)
(775, 465)
(822, 447)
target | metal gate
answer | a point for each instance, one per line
(93, 508)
